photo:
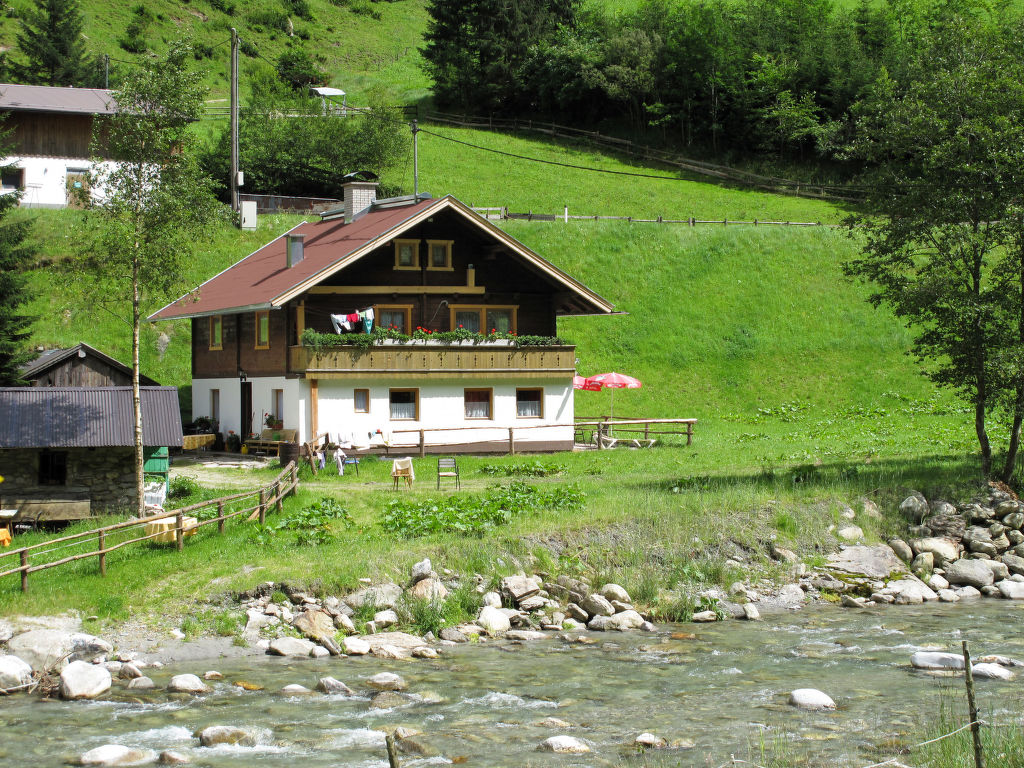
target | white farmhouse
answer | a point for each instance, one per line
(52, 130)
(400, 265)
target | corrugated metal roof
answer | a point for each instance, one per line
(53, 357)
(86, 417)
(46, 98)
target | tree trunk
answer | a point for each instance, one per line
(140, 506)
(1014, 447)
(979, 427)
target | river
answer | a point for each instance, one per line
(724, 690)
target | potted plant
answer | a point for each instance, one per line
(273, 423)
(233, 442)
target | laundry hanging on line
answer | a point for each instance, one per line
(353, 321)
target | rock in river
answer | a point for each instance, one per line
(1011, 590)
(973, 573)
(811, 699)
(493, 620)
(14, 672)
(387, 681)
(936, 660)
(331, 685)
(187, 684)
(991, 672)
(225, 734)
(115, 754)
(290, 646)
(79, 680)
(566, 745)
(45, 648)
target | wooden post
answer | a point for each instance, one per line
(979, 755)
(423, 443)
(314, 406)
(647, 431)
(220, 515)
(389, 741)
(600, 435)
(689, 432)
(24, 571)
(103, 555)
(263, 506)
(295, 475)
(277, 493)
(179, 531)
(511, 441)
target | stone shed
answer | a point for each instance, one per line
(66, 452)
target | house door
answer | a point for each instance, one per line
(246, 420)
(78, 187)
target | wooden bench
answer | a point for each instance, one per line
(271, 440)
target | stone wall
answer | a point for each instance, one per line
(105, 474)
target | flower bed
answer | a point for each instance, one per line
(379, 336)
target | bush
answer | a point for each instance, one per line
(298, 69)
(313, 522)
(474, 514)
(182, 487)
(531, 469)
(223, 6)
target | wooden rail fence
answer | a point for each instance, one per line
(269, 495)
(849, 193)
(501, 213)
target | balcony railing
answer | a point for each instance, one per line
(428, 357)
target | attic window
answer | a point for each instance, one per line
(440, 255)
(263, 330)
(216, 332)
(407, 254)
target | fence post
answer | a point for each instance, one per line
(565, 215)
(24, 571)
(295, 475)
(220, 516)
(179, 531)
(511, 441)
(972, 704)
(103, 555)
(689, 432)
(423, 443)
(277, 493)
(262, 509)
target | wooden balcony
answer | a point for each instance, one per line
(433, 360)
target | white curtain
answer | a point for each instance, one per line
(528, 408)
(403, 410)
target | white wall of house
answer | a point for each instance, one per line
(442, 405)
(45, 179)
(295, 402)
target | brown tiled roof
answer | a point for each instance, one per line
(263, 279)
(46, 98)
(86, 417)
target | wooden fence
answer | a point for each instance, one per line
(848, 193)
(587, 430)
(500, 213)
(269, 495)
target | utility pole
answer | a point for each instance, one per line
(106, 70)
(415, 161)
(234, 120)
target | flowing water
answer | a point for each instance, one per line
(721, 688)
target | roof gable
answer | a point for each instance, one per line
(263, 280)
(51, 358)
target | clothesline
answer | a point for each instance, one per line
(347, 322)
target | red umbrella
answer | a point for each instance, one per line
(614, 381)
(579, 382)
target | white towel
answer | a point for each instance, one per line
(403, 468)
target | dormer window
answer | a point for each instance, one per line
(407, 254)
(440, 255)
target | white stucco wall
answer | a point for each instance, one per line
(296, 402)
(441, 405)
(45, 179)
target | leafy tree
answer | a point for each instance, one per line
(298, 69)
(152, 206)
(53, 46)
(946, 155)
(15, 259)
(289, 146)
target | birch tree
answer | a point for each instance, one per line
(150, 206)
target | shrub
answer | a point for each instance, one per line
(182, 487)
(531, 469)
(313, 522)
(223, 6)
(676, 610)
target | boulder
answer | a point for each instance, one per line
(421, 570)
(595, 605)
(705, 616)
(225, 734)
(79, 680)
(991, 672)
(315, 624)
(388, 700)
(650, 741)
(784, 555)
(295, 689)
(524, 635)
(902, 550)
(936, 660)
(387, 681)
(1014, 563)
(1011, 590)
(402, 640)
(452, 635)
(923, 564)
(44, 649)
(116, 754)
(493, 599)
(14, 672)
(613, 592)
(967, 593)
(1014, 520)
(381, 596)
(429, 589)
(947, 596)
(519, 587)
(577, 613)
(171, 757)
(937, 582)
(910, 591)
(944, 550)
(355, 646)
(973, 573)
(750, 612)
(914, 508)
(627, 620)
(493, 621)
(792, 593)
(384, 619)
(999, 570)
(187, 684)
(212, 674)
(564, 745)
(424, 652)
(290, 646)
(332, 686)
(850, 533)
(811, 699)
(1003, 661)
(141, 684)
(6, 631)
(344, 623)
(876, 562)
(391, 652)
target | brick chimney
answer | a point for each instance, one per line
(360, 191)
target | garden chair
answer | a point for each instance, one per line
(402, 468)
(446, 467)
